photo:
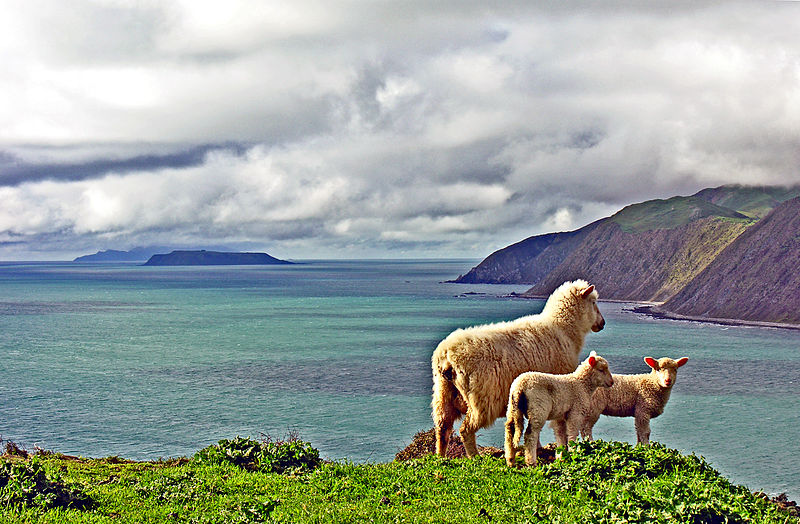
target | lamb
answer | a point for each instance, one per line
(640, 396)
(473, 368)
(564, 399)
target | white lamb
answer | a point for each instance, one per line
(564, 399)
(640, 396)
(473, 368)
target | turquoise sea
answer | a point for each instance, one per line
(149, 362)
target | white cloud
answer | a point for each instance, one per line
(455, 127)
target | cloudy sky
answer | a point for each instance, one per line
(364, 128)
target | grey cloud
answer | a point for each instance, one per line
(15, 171)
(452, 128)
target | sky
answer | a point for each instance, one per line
(379, 129)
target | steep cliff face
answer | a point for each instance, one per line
(757, 277)
(525, 262)
(725, 252)
(648, 265)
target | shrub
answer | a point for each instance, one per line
(25, 482)
(290, 455)
(649, 484)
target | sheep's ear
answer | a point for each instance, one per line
(592, 359)
(586, 292)
(682, 361)
(650, 361)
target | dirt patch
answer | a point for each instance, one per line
(424, 443)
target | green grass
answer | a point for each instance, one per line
(669, 214)
(594, 482)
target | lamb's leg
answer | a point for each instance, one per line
(642, 423)
(532, 442)
(510, 442)
(573, 428)
(560, 430)
(588, 424)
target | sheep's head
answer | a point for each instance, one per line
(589, 296)
(666, 369)
(601, 373)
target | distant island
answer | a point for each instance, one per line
(213, 258)
(138, 254)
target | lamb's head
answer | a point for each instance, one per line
(665, 369)
(589, 296)
(600, 372)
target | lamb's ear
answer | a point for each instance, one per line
(592, 359)
(682, 361)
(588, 291)
(650, 361)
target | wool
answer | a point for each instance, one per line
(642, 396)
(473, 368)
(563, 399)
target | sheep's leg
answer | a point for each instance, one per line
(467, 432)
(642, 423)
(445, 412)
(443, 439)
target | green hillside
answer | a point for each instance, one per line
(753, 201)
(670, 213)
(594, 482)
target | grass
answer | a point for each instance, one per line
(670, 214)
(594, 482)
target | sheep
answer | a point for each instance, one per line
(640, 396)
(473, 368)
(564, 399)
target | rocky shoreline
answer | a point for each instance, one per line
(656, 312)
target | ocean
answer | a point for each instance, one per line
(156, 362)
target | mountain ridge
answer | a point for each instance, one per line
(651, 251)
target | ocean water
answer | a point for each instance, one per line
(149, 362)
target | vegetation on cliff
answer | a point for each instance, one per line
(594, 482)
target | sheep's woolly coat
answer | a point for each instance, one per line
(473, 368)
(642, 396)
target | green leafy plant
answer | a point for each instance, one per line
(25, 482)
(290, 455)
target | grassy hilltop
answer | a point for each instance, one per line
(243, 480)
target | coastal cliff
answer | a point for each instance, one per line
(755, 278)
(683, 251)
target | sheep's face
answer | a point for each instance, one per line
(601, 373)
(596, 320)
(666, 369)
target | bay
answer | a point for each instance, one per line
(149, 362)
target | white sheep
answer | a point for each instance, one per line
(473, 368)
(640, 396)
(564, 399)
